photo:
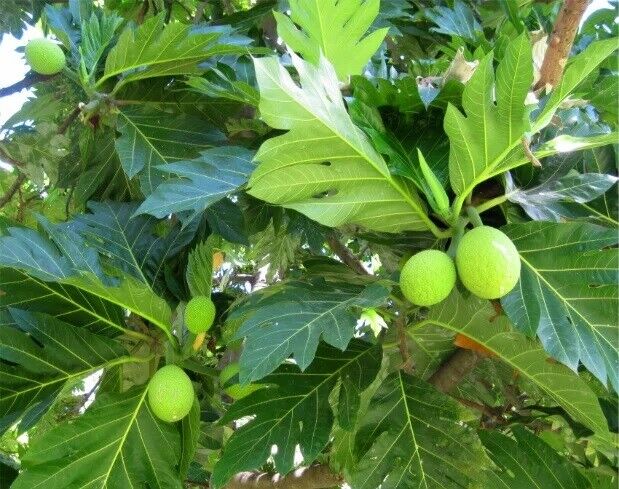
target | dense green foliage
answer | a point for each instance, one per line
(354, 235)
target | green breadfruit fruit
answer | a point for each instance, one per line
(44, 56)
(170, 393)
(199, 314)
(428, 277)
(488, 263)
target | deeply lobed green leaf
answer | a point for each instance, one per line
(334, 29)
(324, 166)
(43, 354)
(412, 436)
(294, 410)
(116, 444)
(567, 293)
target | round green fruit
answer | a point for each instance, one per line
(199, 314)
(44, 56)
(428, 277)
(236, 391)
(170, 393)
(488, 262)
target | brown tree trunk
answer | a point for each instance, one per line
(560, 42)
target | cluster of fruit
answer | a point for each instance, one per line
(487, 263)
(170, 391)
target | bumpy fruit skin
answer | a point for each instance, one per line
(45, 57)
(236, 391)
(170, 394)
(428, 277)
(199, 314)
(488, 262)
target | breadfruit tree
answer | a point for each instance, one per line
(309, 244)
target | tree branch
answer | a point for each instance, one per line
(344, 254)
(30, 79)
(62, 128)
(454, 369)
(313, 477)
(6, 198)
(561, 41)
(407, 361)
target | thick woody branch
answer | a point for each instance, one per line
(6, 198)
(344, 254)
(454, 369)
(561, 41)
(313, 477)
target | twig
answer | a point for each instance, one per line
(494, 414)
(454, 369)
(197, 17)
(142, 12)
(529, 154)
(68, 121)
(561, 41)
(344, 254)
(10, 193)
(407, 361)
(30, 79)
(9, 159)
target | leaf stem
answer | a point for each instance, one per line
(455, 240)
(137, 335)
(474, 216)
(489, 204)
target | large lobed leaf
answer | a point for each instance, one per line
(488, 140)
(526, 462)
(477, 319)
(201, 182)
(73, 305)
(152, 138)
(458, 21)
(157, 49)
(559, 193)
(131, 244)
(42, 354)
(412, 436)
(481, 139)
(293, 320)
(117, 444)
(567, 293)
(104, 178)
(333, 29)
(294, 410)
(64, 258)
(324, 166)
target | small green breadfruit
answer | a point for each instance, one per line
(199, 314)
(44, 56)
(170, 393)
(428, 277)
(488, 262)
(236, 391)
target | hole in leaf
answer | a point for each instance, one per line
(327, 193)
